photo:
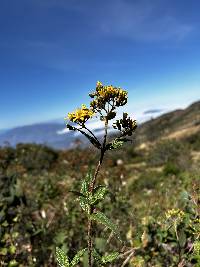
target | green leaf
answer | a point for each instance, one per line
(101, 260)
(97, 256)
(182, 238)
(100, 244)
(103, 219)
(110, 257)
(77, 257)
(3, 251)
(117, 143)
(84, 201)
(60, 238)
(61, 258)
(12, 249)
(84, 204)
(98, 195)
(86, 184)
(13, 263)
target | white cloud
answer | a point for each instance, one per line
(94, 124)
(143, 21)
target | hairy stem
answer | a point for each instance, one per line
(92, 185)
(89, 241)
(89, 228)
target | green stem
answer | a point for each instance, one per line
(92, 185)
(90, 245)
(89, 232)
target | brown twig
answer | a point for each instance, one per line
(128, 258)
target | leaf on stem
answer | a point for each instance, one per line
(92, 140)
(97, 256)
(77, 257)
(61, 258)
(84, 200)
(102, 260)
(117, 143)
(110, 257)
(103, 219)
(98, 194)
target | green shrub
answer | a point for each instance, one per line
(170, 151)
(194, 141)
(171, 168)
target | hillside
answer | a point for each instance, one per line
(175, 124)
(178, 123)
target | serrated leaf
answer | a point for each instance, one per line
(103, 219)
(84, 204)
(98, 195)
(61, 258)
(77, 257)
(84, 201)
(86, 184)
(110, 257)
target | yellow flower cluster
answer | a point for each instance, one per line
(175, 214)
(108, 94)
(80, 115)
(196, 248)
(105, 101)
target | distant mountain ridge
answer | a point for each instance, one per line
(177, 123)
(42, 133)
(54, 133)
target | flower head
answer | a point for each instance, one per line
(80, 115)
(105, 101)
(103, 95)
(175, 214)
(196, 248)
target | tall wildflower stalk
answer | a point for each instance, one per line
(105, 101)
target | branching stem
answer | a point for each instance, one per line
(91, 133)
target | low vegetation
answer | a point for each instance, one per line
(154, 197)
(39, 213)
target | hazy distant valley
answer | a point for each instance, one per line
(54, 134)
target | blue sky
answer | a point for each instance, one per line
(52, 52)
